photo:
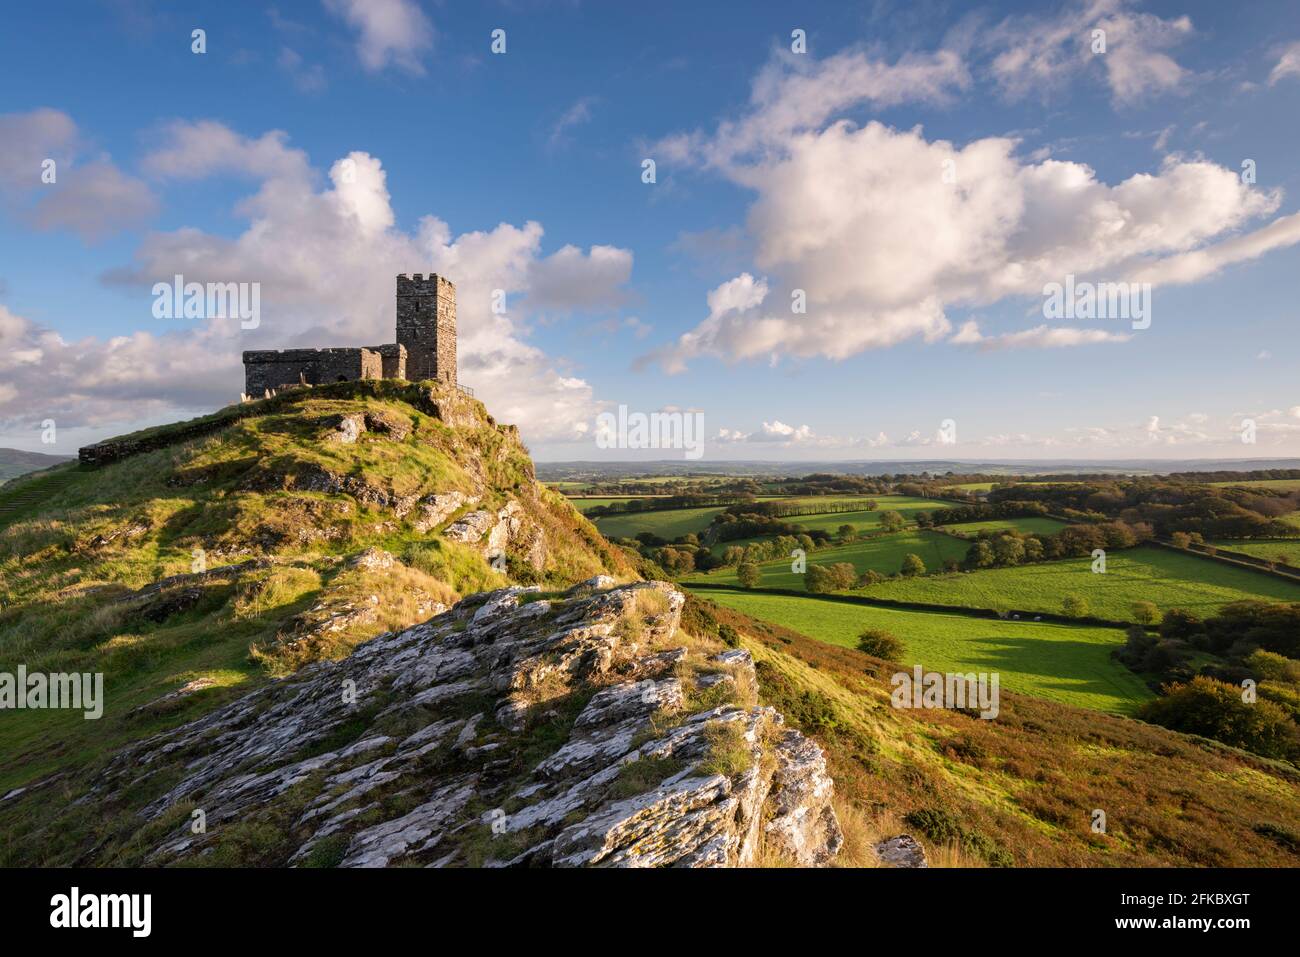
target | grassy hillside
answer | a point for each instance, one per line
(1065, 663)
(1169, 579)
(219, 562)
(1020, 790)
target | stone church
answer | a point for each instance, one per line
(425, 346)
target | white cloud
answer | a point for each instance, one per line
(884, 230)
(797, 92)
(1039, 337)
(389, 31)
(326, 259)
(1040, 55)
(778, 431)
(308, 78)
(26, 141)
(90, 196)
(95, 201)
(575, 115)
(1288, 64)
(202, 148)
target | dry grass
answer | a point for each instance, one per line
(1020, 790)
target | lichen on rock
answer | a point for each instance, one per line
(518, 728)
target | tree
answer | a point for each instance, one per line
(749, 575)
(1268, 666)
(980, 555)
(1214, 709)
(1145, 613)
(1180, 624)
(819, 580)
(912, 565)
(870, 577)
(1180, 539)
(881, 644)
(891, 521)
(923, 519)
(847, 533)
(844, 575)
(1033, 549)
(1075, 606)
(1008, 550)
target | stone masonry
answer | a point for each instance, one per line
(425, 346)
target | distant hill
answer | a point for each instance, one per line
(611, 471)
(15, 462)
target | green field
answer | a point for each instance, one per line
(1283, 485)
(668, 524)
(1035, 526)
(1288, 552)
(883, 554)
(582, 504)
(1065, 663)
(673, 523)
(1169, 579)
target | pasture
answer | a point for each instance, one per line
(883, 554)
(1167, 578)
(1274, 551)
(1066, 663)
(1028, 526)
(1278, 485)
(667, 524)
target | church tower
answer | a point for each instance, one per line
(426, 326)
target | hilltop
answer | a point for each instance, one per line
(295, 527)
(234, 576)
(346, 626)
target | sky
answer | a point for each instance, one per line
(847, 248)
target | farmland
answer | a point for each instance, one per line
(668, 524)
(1273, 551)
(883, 554)
(1065, 663)
(1277, 485)
(1167, 578)
(673, 523)
(1030, 526)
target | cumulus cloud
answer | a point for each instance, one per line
(881, 230)
(796, 92)
(388, 32)
(202, 148)
(325, 256)
(90, 196)
(90, 381)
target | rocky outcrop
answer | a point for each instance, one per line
(506, 529)
(575, 729)
(433, 510)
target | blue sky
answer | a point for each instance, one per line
(775, 171)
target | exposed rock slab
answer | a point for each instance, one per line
(391, 755)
